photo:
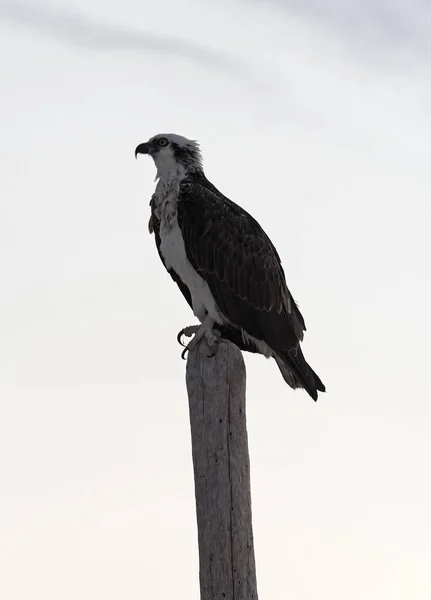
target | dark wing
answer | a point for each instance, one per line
(233, 254)
(228, 333)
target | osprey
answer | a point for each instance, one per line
(224, 263)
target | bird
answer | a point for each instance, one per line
(224, 263)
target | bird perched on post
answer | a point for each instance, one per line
(224, 263)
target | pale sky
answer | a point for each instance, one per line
(316, 118)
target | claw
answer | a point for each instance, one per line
(179, 336)
(213, 341)
(212, 350)
(198, 331)
(188, 332)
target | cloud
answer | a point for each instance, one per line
(389, 31)
(80, 30)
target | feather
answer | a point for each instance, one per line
(238, 262)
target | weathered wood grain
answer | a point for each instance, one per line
(216, 388)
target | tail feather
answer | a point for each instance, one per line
(297, 373)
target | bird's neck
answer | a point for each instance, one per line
(168, 182)
(168, 169)
(169, 177)
(167, 188)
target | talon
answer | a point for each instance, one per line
(213, 340)
(179, 336)
(188, 332)
(198, 332)
(212, 337)
(212, 350)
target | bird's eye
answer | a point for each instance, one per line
(163, 142)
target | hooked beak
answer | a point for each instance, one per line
(142, 149)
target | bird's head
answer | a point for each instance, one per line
(172, 154)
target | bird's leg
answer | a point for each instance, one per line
(200, 331)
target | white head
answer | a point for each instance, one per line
(173, 154)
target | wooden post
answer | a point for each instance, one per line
(216, 389)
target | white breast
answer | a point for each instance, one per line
(174, 253)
